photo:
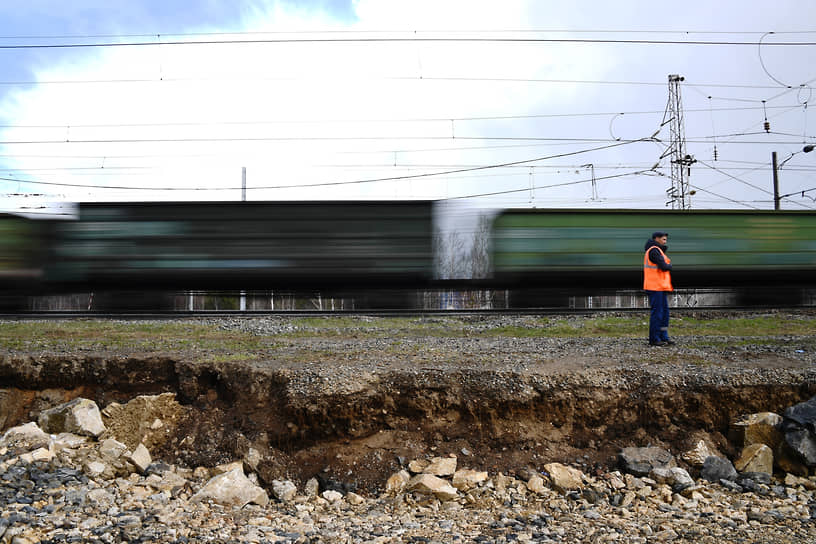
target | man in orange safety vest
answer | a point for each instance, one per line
(657, 283)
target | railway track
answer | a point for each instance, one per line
(233, 314)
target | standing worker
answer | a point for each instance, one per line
(657, 283)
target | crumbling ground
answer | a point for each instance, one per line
(353, 411)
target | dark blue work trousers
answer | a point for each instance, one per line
(659, 320)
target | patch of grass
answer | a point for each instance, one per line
(228, 357)
(106, 335)
(111, 335)
(746, 326)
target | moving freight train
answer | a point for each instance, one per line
(388, 245)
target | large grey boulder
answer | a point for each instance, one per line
(802, 415)
(799, 429)
(79, 416)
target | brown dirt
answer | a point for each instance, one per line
(353, 424)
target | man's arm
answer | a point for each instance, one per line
(657, 258)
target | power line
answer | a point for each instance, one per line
(158, 35)
(376, 121)
(564, 184)
(165, 79)
(740, 202)
(734, 177)
(328, 184)
(412, 39)
(360, 138)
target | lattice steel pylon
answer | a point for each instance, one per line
(679, 194)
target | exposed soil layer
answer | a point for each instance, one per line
(498, 406)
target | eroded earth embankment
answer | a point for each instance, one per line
(356, 412)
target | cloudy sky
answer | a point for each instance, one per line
(496, 104)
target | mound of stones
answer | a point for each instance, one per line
(69, 456)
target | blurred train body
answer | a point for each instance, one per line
(244, 245)
(767, 254)
(24, 247)
(387, 248)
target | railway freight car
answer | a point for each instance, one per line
(23, 251)
(759, 253)
(244, 245)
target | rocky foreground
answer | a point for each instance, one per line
(66, 479)
(375, 430)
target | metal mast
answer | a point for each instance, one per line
(679, 195)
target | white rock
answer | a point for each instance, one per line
(536, 484)
(140, 458)
(564, 478)
(432, 485)
(95, 468)
(68, 441)
(40, 454)
(284, 490)
(112, 450)
(354, 498)
(79, 416)
(466, 479)
(331, 495)
(27, 437)
(231, 488)
(441, 466)
(671, 476)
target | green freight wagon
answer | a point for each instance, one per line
(245, 245)
(604, 249)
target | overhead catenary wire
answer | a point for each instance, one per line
(358, 77)
(379, 39)
(353, 182)
(364, 138)
(397, 31)
(457, 119)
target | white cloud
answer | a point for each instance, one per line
(193, 115)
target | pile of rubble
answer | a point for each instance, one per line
(65, 478)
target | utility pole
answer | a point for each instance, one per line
(242, 302)
(679, 195)
(775, 181)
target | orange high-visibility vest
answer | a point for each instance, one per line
(655, 279)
